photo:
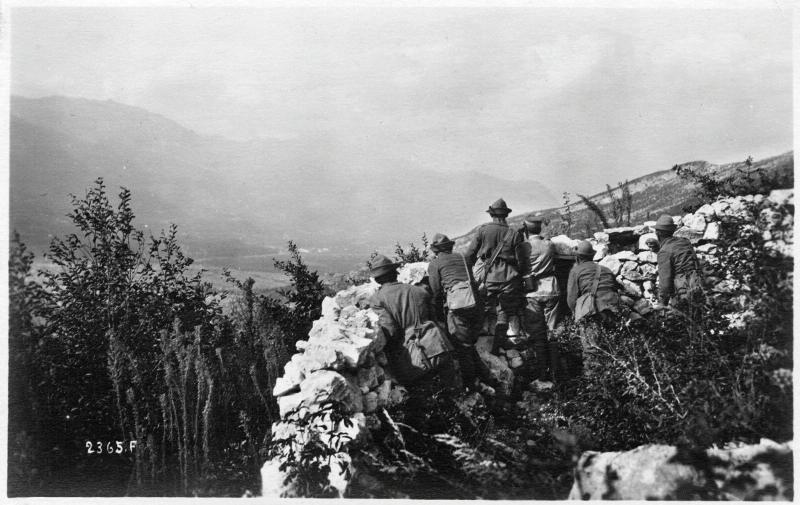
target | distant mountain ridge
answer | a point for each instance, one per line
(230, 197)
(654, 194)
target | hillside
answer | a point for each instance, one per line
(232, 199)
(653, 194)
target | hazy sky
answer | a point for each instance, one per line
(574, 98)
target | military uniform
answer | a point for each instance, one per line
(678, 270)
(541, 312)
(464, 326)
(607, 302)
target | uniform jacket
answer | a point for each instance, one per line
(444, 271)
(486, 240)
(400, 306)
(675, 257)
(581, 280)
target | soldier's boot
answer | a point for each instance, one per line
(500, 338)
(541, 357)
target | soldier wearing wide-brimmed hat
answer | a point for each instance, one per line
(588, 277)
(445, 272)
(401, 307)
(679, 273)
(503, 283)
(537, 267)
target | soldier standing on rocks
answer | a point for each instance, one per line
(679, 275)
(445, 272)
(402, 307)
(539, 279)
(495, 244)
(593, 298)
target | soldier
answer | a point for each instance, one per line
(679, 274)
(401, 308)
(495, 244)
(541, 313)
(445, 272)
(593, 298)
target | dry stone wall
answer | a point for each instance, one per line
(624, 250)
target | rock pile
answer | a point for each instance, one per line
(343, 361)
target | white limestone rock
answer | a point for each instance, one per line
(712, 231)
(707, 211)
(564, 245)
(642, 246)
(631, 288)
(330, 309)
(413, 273)
(625, 256)
(612, 264)
(357, 295)
(325, 385)
(781, 196)
(647, 257)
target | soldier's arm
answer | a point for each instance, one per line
(665, 280)
(524, 258)
(385, 320)
(572, 290)
(472, 251)
(437, 290)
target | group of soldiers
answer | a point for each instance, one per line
(512, 272)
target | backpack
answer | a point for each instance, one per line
(461, 295)
(422, 344)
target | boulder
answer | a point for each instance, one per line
(706, 211)
(642, 246)
(650, 224)
(625, 256)
(383, 393)
(720, 207)
(627, 300)
(647, 257)
(612, 264)
(630, 271)
(648, 271)
(601, 237)
(601, 251)
(272, 479)
(413, 273)
(706, 248)
(781, 196)
(630, 288)
(696, 222)
(326, 385)
(499, 371)
(564, 245)
(330, 309)
(662, 472)
(357, 295)
(712, 231)
(689, 233)
(288, 403)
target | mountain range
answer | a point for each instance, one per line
(232, 198)
(237, 202)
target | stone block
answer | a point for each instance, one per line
(564, 245)
(325, 385)
(781, 196)
(691, 234)
(330, 309)
(707, 211)
(630, 271)
(612, 264)
(712, 231)
(625, 256)
(630, 288)
(288, 403)
(370, 402)
(647, 257)
(601, 251)
(357, 295)
(648, 271)
(643, 306)
(696, 222)
(413, 273)
(642, 246)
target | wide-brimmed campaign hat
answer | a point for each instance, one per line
(533, 221)
(584, 249)
(499, 207)
(382, 265)
(441, 243)
(665, 223)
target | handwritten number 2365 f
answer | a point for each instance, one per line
(116, 447)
